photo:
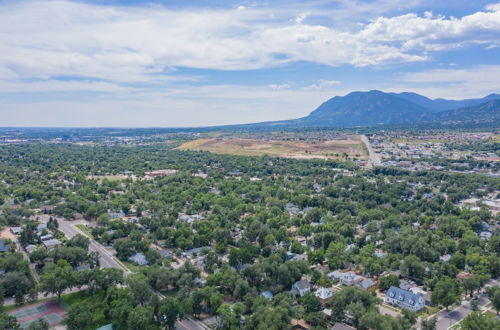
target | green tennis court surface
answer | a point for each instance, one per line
(52, 311)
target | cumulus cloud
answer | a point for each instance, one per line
(133, 57)
(45, 39)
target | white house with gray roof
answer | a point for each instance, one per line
(346, 278)
(404, 299)
(301, 287)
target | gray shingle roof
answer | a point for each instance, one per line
(139, 259)
(302, 284)
(406, 297)
(367, 283)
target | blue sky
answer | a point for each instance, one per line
(196, 63)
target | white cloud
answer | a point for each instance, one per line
(324, 84)
(279, 86)
(44, 39)
(129, 55)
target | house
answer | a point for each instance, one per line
(190, 218)
(159, 173)
(16, 230)
(106, 327)
(445, 257)
(46, 237)
(404, 299)
(301, 287)
(367, 284)
(30, 248)
(324, 295)
(41, 227)
(407, 285)
(116, 215)
(165, 254)
(346, 278)
(317, 188)
(299, 325)
(341, 326)
(268, 295)
(292, 209)
(4, 247)
(200, 282)
(196, 251)
(51, 243)
(485, 235)
(380, 254)
(47, 208)
(199, 261)
(139, 259)
(335, 275)
(425, 294)
(299, 257)
(81, 267)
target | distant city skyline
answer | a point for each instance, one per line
(200, 63)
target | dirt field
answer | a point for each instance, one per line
(351, 145)
(5, 233)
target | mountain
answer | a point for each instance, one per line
(485, 112)
(438, 105)
(366, 109)
(375, 108)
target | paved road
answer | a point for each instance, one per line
(447, 319)
(109, 261)
(190, 323)
(374, 157)
(106, 258)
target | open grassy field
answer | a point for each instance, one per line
(331, 149)
(117, 177)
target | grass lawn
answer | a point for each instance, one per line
(84, 228)
(491, 314)
(429, 310)
(83, 297)
(132, 266)
(8, 308)
(391, 308)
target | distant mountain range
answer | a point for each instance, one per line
(375, 108)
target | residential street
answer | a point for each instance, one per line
(447, 319)
(109, 261)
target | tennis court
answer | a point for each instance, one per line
(52, 311)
